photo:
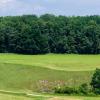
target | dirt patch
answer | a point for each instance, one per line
(57, 98)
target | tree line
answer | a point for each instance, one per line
(31, 34)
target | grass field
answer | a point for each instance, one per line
(33, 73)
(4, 96)
(54, 61)
(16, 97)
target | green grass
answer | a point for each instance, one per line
(24, 77)
(75, 98)
(5, 96)
(28, 73)
(54, 61)
(16, 97)
(25, 72)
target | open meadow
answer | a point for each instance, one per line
(39, 73)
(4, 96)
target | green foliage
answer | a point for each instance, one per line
(83, 89)
(95, 83)
(30, 34)
(65, 90)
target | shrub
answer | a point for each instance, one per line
(69, 90)
(95, 83)
(66, 90)
(84, 89)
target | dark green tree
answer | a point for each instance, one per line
(95, 83)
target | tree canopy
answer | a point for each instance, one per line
(30, 34)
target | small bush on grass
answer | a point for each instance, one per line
(84, 89)
(95, 83)
(65, 90)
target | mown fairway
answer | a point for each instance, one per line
(4, 96)
(16, 97)
(28, 73)
(54, 61)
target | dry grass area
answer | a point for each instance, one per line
(59, 98)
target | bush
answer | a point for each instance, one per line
(84, 89)
(95, 83)
(66, 90)
(69, 90)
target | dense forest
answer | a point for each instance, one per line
(31, 34)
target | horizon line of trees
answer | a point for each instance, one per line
(30, 34)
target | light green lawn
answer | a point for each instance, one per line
(25, 72)
(75, 98)
(43, 97)
(15, 97)
(55, 61)
(24, 77)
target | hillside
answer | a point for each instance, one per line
(36, 72)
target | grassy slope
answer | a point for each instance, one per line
(75, 98)
(21, 77)
(16, 97)
(23, 72)
(4, 96)
(53, 61)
